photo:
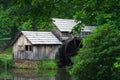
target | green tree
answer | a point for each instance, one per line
(99, 59)
(98, 12)
(32, 14)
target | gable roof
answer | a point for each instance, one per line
(36, 37)
(66, 25)
(41, 37)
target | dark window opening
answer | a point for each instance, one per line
(28, 47)
(66, 34)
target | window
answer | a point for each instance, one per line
(28, 47)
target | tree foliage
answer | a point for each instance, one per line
(99, 59)
(97, 12)
(18, 15)
(100, 56)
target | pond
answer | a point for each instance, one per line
(27, 74)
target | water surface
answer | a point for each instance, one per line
(26, 74)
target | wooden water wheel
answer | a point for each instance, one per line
(69, 48)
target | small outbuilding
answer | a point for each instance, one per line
(33, 45)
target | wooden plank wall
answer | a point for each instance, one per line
(66, 34)
(22, 41)
(39, 51)
(45, 51)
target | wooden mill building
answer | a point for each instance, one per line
(65, 26)
(33, 45)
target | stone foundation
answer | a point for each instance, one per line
(25, 64)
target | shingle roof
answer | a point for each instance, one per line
(66, 25)
(41, 37)
(89, 28)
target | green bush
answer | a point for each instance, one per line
(47, 64)
(99, 59)
(6, 58)
(6, 61)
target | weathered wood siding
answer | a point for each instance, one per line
(45, 51)
(66, 34)
(38, 52)
(61, 35)
(19, 54)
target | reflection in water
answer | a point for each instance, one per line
(5, 75)
(20, 74)
(63, 75)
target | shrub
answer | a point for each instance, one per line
(99, 59)
(6, 58)
(47, 64)
(6, 61)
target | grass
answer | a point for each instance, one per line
(6, 55)
(37, 65)
(8, 51)
(47, 64)
(33, 72)
(6, 58)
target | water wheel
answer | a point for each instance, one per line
(68, 49)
